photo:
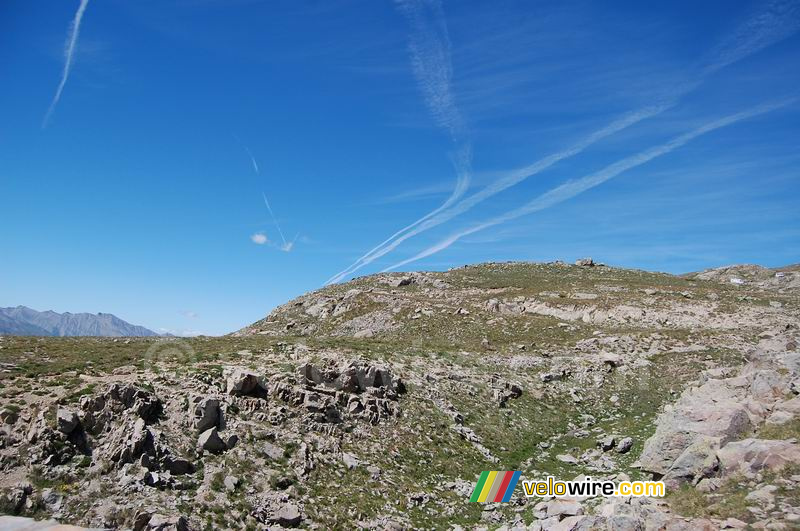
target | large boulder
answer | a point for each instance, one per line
(67, 420)
(207, 414)
(245, 383)
(697, 461)
(210, 441)
(288, 516)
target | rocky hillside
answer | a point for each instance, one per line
(23, 321)
(377, 404)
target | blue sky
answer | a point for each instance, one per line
(660, 136)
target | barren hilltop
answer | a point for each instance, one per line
(378, 403)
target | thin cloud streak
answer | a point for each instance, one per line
(285, 246)
(274, 219)
(430, 49)
(774, 23)
(69, 53)
(252, 159)
(572, 188)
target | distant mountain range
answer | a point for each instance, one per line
(23, 321)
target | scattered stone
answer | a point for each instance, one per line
(607, 443)
(566, 458)
(288, 516)
(231, 482)
(350, 460)
(210, 441)
(624, 445)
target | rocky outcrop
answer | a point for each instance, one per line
(99, 411)
(240, 382)
(353, 389)
(706, 426)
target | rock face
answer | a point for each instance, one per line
(702, 433)
(354, 389)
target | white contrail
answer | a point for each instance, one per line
(570, 189)
(69, 52)
(429, 47)
(252, 159)
(461, 162)
(510, 180)
(285, 246)
(775, 22)
(275, 221)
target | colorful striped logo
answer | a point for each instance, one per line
(494, 486)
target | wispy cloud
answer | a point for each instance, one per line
(288, 246)
(771, 23)
(182, 333)
(572, 188)
(69, 54)
(259, 238)
(190, 314)
(430, 50)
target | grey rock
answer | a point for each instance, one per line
(207, 414)
(753, 455)
(272, 451)
(288, 516)
(566, 458)
(244, 383)
(624, 445)
(607, 443)
(231, 483)
(178, 466)
(697, 461)
(67, 420)
(158, 522)
(350, 460)
(562, 507)
(210, 441)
